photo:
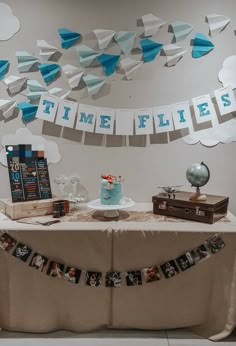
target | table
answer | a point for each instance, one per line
(201, 298)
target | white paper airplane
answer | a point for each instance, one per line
(59, 92)
(14, 83)
(73, 75)
(104, 37)
(7, 108)
(130, 67)
(173, 54)
(151, 24)
(217, 23)
(45, 49)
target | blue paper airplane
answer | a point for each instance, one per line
(150, 49)
(3, 68)
(68, 37)
(49, 71)
(28, 111)
(201, 46)
(108, 62)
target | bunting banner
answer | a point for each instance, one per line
(144, 121)
(130, 277)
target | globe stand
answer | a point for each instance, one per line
(197, 196)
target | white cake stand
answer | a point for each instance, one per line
(111, 211)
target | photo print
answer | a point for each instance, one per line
(113, 279)
(200, 254)
(151, 274)
(56, 270)
(7, 242)
(133, 278)
(38, 262)
(215, 244)
(72, 274)
(169, 269)
(93, 279)
(185, 261)
(22, 252)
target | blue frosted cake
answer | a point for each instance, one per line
(111, 190)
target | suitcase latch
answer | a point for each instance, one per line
(163, 205)
(200, 212)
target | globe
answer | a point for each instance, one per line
(198, 174)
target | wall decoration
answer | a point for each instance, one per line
(143, 119)
(203, 108)
(93, 83)
(181, 115)
(4, 64)
(130, 67)
(227, 75)
(49, 72)
(173, 54)
(14, 83)
(86, 55)
(25, 61)
(35, 90)
(108, 62)
(217, 23)
(7, 108)
(104, 37)
(201, 46)
(46, 50)
(22, 136)
(28, 111)
(59, 92)
(86, 118)
(225, 100)
(181, 30)
(68, 37)
(73, 74)
(125, 39)
(105, 120)
(9, 24)
(66, 113)
(163, 119)
(125, 122)
(150, 49)
(151, 24)
(47, 108)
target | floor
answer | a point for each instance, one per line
(111, 338)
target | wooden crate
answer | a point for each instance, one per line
(28, 209)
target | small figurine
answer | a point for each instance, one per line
(170, 190)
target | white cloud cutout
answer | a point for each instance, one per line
(24, 136)
(227, 75)
(9, 24)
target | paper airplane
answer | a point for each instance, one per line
(108, 62)
(14, 83)
(180, 30)
(93, 83)
(35, 90)
(201, 45)
(173, 54)
(3, 68)
(49, 72)
(7, 108)
(130, 67)
(217, 23)
(125, 39)
(86, 55)
(104, 37)
(25, 61)
(151, 24)
(68, 37)
(59, 92)
(150, 49)
(45, 49)
(28, 111)
(73, 75)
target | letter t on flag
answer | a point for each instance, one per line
(47, 108)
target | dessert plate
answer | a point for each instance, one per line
(111, 210)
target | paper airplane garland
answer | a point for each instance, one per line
(86, 55)
(104, 37)
(150, 49)
(45, 49)
(125, 39)
(130, 67)
(217, 23)
(173, 54)
(93, 84)
(35, 90)
(7, 108)
(62, 94)
(68, 37)
(25, 61)
(180, 30)
(201, 46)
(4, 64)
(108, 62)
(14, 83)
(151, 24)
(73, 75)
(49, 72)
(28, 111)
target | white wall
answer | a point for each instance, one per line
(144, 167)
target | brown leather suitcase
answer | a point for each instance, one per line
(209, 211)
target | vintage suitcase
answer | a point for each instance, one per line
(19, 210)
(208, 211)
